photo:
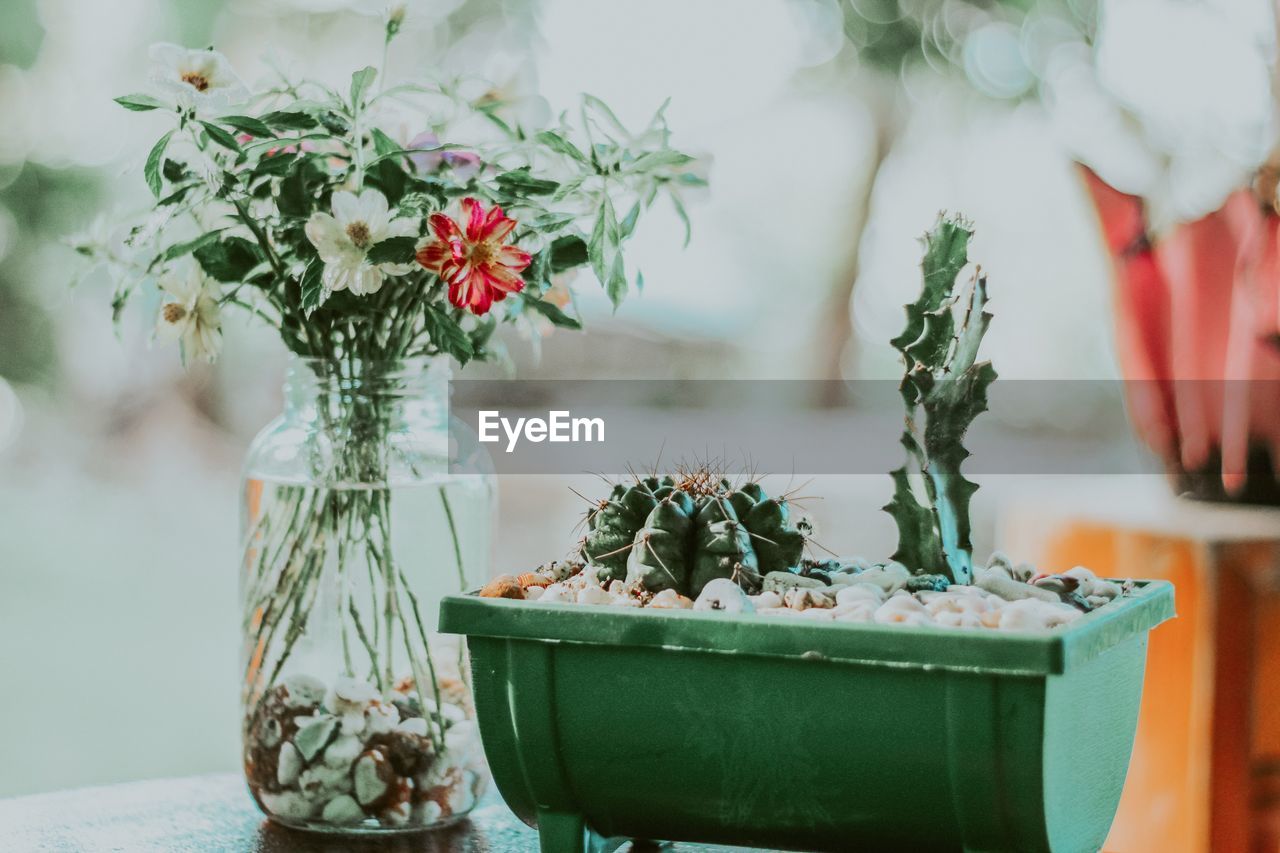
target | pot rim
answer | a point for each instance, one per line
(1029, 653)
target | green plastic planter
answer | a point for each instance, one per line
(606, 723)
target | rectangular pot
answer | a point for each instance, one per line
(606, 722)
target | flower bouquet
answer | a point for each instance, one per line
(380, 230)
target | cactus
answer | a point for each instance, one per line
(944, 388)
(682, 532)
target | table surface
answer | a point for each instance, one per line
(214, 814)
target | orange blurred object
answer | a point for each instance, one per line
(1205, 773)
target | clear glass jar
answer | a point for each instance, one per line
(357, 717)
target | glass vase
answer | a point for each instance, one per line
(357, 717)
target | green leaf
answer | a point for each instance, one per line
(274, 164)
(220, 136)
(360, 83)
(684, 218)
(229, 260)
(139, 103)
(247, 124)
(288, 120)
(616, 287)
(596, 247)
(383, 144)
(522, 182)
(567, 252)
(653, 160)
(447, 335)
(177, 250)
(560, 145)
(607, 114)
(629, 223)
(151, 171)
(552, 312)
(312, 287)
(393, 250)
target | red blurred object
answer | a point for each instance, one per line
(1198, 321)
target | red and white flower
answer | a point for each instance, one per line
(474, 260)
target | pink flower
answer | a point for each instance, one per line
(476, 264)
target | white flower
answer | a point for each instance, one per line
(191, 315)
(200, 79)
(343, 241)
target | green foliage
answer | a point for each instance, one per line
(253, 180)
(943, 388)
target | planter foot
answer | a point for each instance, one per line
(560, 832)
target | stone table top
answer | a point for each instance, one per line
(214, 814)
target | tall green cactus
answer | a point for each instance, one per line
(944, 388)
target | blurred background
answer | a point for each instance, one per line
(836, 130)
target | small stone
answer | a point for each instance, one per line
(352, 723)
(669, 599)
(534, 593)
(461, 799)
(1023, 572)
(398, 805)
(1029, 614)
(765, 600)
(997, 582)
(270, 732)
(957, 619)
(302, 691)
(349, 695)
(860, 592)
(409, 753)
(782, 581)
(724, 594)
(1000, 559)
(322, 782)
(902, 609)
(289, 765)
(860, 611)
(594, 595)
(379, 718)
(427, 812)
(414, 726)
(372, 775)
(805, 599)
(314, 736)
(343, 751)
(557, 593)
(890, 578)
(288, 804)
(342, 809)
(927, 583)
(503, 586)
